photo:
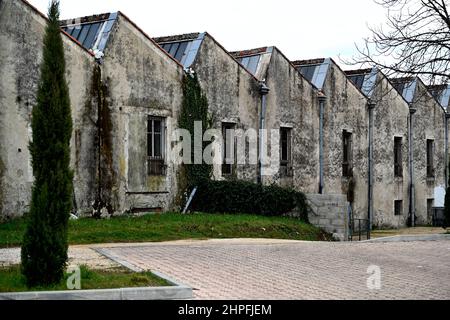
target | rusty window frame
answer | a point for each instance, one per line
(156, 165)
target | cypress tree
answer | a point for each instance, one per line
(44, 250)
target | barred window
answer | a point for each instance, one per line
(156, 146)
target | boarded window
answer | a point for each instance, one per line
(398, 207)
(229, 154)
(398, 157)
(347, 167)
(286, 151)
(430, 158)
(156, 146)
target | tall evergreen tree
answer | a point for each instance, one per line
(44, 251)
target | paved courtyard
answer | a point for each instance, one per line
(265, 269)
(277, 269)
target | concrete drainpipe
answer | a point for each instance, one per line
(371, 107)
(412, 200)
(322, 100)
(264, 90)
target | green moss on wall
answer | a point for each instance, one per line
(105, 172)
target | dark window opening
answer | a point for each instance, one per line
(430, 158)
(155, 147)
(347, 168)
(229, 154)
(286, 151)
(430, 205)
(398, 157)
(398, 207)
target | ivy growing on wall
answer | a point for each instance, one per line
(194, 108)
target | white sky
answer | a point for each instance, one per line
(301, 29)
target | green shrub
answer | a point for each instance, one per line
(247, 197)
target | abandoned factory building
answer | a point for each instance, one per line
(382, 143)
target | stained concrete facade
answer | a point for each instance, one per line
(110, 104)
(390, 122)
(119, 78)
(234, 98)
(346, 110)
(141, 80)
(292, 103)
(428, 125)
(21, 38)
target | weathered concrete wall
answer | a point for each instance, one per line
(330, 212)
(138, 79)
(21, 36)
(141, 80)
(345, 109)
(233, 95)
(429, 123)
(293, 103)
(391, 114)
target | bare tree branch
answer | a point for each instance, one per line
(415, 41)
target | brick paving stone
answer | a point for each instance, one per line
(299, 270)
(78, 255)
(273, 269)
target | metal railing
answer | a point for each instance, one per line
(359, 228)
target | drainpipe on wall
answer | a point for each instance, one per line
(264, 90)
(371, 107)
(412, 200)
(447, 116)
(322, 100)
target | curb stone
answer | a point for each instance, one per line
(177, 292)
(411, 238)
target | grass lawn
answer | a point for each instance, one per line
(174, 226)
(11, 280)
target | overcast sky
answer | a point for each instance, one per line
(301, 29)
